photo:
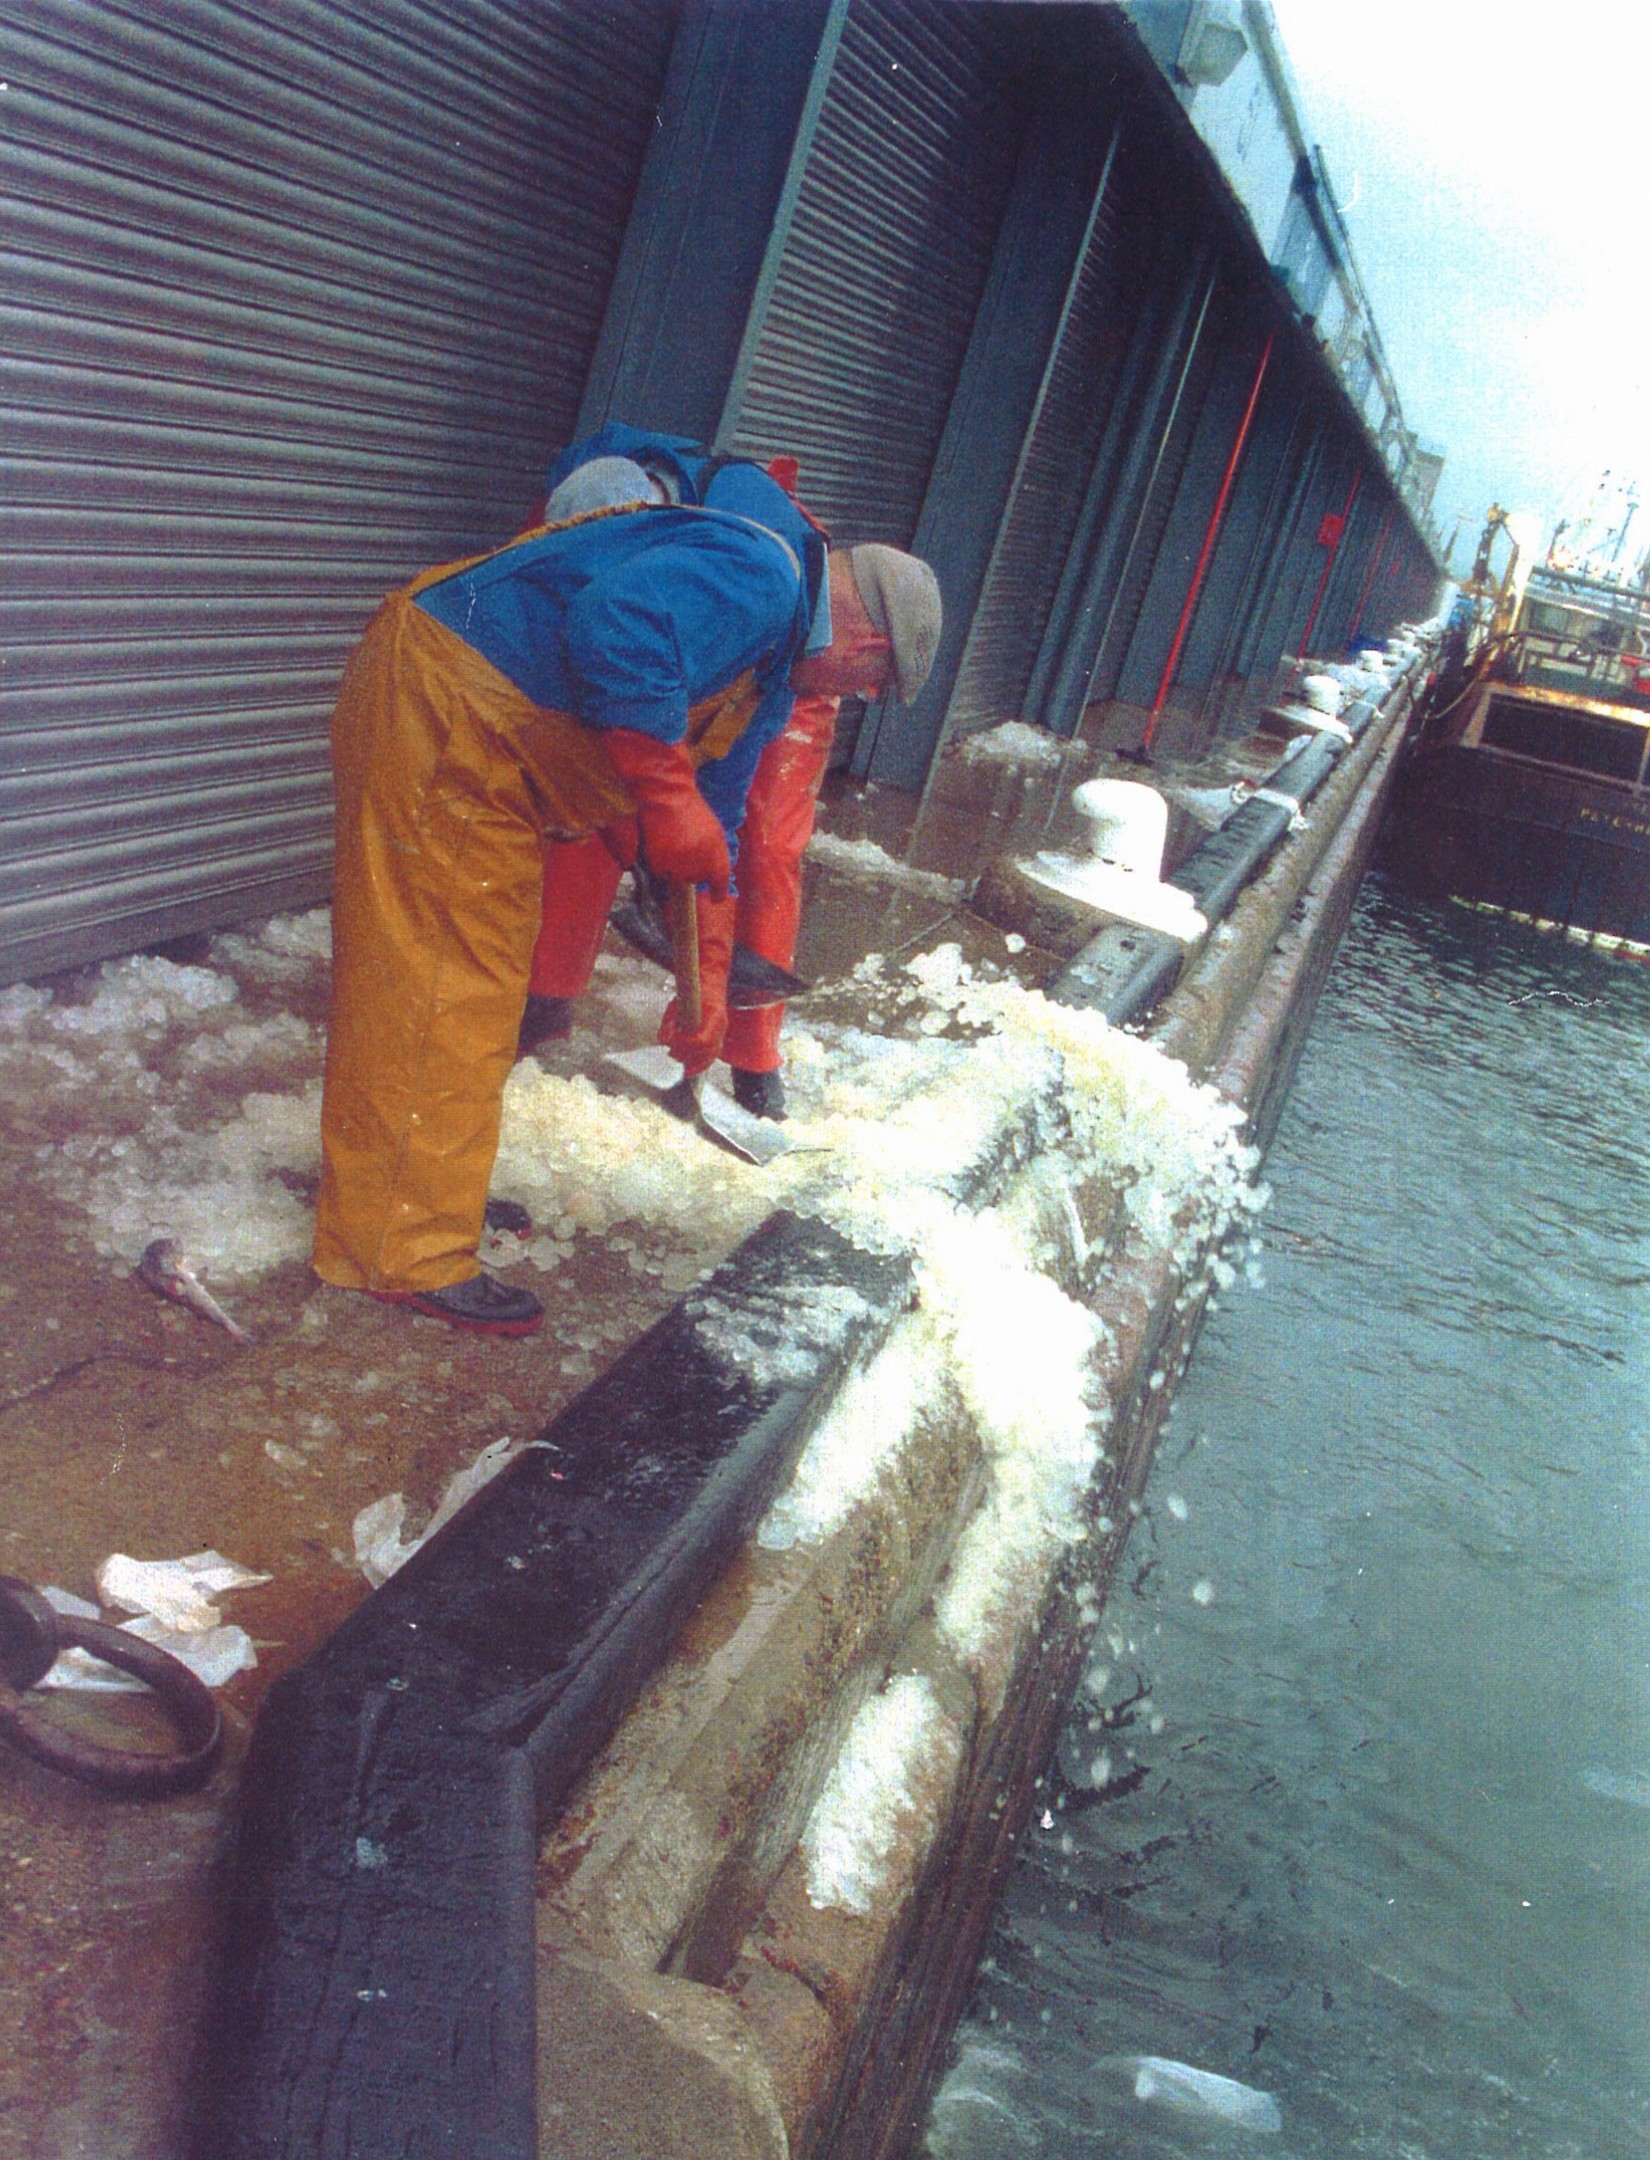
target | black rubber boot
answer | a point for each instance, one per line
(483, 1305)
(761, 1093)
(546, 1020)
(752, 981)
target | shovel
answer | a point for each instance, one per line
(699, 1102)
(682, 921)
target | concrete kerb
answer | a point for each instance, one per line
(1238, 950)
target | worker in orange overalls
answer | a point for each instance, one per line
(582, 878)
(624, 669)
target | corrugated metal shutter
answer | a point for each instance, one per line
(1351, 561)
(1260, 643)
(1154, 520)
(1065, 439)
(1311, 555)
(886, 261)
(298, 296)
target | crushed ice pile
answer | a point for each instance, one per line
(995, 1334)
(182, 1111)
(995, 1328)
(865, 860)
(869, 1795)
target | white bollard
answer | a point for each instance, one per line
(1129, 824)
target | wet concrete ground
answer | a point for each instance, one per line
(127, 1424)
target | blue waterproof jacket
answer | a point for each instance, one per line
(628, 620)
(694, 474)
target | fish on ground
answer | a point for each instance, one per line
(167, 1269)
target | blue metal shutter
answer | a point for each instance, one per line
(1065, 439)
(870, 314)
(1154, 521)
(299, 295)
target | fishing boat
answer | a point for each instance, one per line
(1526, 788)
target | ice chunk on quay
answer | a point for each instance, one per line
(869, 1420)
(1014, 742)
(864, 859)
(849, 1840)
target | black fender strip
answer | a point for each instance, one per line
(376, 1986)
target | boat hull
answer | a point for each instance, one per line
(1478, 824)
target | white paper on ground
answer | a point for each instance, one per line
(214, 1655)
(176, 1592)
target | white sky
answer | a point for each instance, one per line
(1493, 166)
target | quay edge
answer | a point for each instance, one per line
(818, 2034)
(668, 1698)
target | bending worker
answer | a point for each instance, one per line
(581, 877)
(631, 665)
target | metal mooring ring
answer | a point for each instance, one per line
(31, 1634)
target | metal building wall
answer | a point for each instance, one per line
(1139, 611)
(1059, 452)
(1176, 290)
(307, 291)
(1212, 669)
(1336, 532)
(300, 295)
(1341, 598)
(1237, 347)
(1359, 615)
(867, 323)
(1284, 548)
(1304, 560)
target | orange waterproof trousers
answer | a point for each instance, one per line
(447, 781)
(581, 878)
(779, 823)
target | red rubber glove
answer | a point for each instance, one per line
(681, 835)
(697, 1049)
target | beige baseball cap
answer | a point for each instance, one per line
(902, 598)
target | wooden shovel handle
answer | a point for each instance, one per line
(682, 917)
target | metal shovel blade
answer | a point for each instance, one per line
(758, 1139)
(718, 1116)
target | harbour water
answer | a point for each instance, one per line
(1354, 1808)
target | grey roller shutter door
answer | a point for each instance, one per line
(297, 297)
(885, 262)
(1065, 440)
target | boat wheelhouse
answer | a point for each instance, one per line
(1528, 789)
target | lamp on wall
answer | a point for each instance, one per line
(1213, 44)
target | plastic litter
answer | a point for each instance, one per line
(178, 1593)
(380, 1548)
